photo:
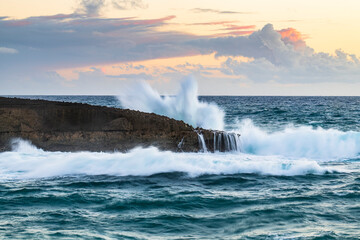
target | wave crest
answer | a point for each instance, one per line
(26, 161)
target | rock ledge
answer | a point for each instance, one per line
(62, 126)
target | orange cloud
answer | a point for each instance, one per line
(291, 33)
(294, 37)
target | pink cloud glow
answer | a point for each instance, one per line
(235, 27)
(294, 37)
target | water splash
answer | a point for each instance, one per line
(184, 106)
(304, 141)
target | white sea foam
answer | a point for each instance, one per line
(184, 106)
(293, 142)
(297, 142)
(26, 161)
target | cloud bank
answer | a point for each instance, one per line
(75, 40)
(34, 48)
(281, 56)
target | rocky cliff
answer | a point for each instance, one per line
(61, 126)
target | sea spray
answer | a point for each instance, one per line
(184, 106)
(297, 142)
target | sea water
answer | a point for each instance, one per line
(297, 176)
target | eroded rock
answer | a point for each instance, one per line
(60, 126)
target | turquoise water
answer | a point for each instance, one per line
(297, 177)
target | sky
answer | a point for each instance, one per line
(231, 47)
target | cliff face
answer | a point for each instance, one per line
(59, 126)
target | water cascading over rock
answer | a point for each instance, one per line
(220, 142)
(227, 142)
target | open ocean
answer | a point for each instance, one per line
(297, 177)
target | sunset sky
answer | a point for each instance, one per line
(231, 47)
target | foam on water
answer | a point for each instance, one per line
(298, 142)
(184, 106)
(26, 161)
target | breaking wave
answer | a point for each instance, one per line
(184, 106)
(298, 142)
(27, 161)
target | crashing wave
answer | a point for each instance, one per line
(26, 161)
(304, 141)
(184, 106)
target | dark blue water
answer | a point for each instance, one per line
(298, 177)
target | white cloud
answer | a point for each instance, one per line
(8, 50)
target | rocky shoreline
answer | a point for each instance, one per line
(63, 126)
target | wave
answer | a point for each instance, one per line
(184, 106)
(297, 142)
(27, 161)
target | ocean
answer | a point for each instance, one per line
(297, 176)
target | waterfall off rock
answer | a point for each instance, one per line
(219, 141)
(226, 142)
(202, 143)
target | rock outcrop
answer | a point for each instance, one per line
(61, 126)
